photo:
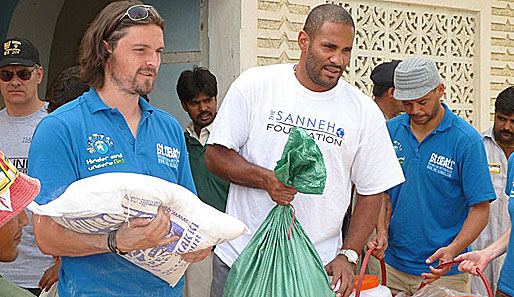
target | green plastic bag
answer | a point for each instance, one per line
(273, 266)
(302, 164)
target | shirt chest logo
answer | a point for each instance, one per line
(441, 164)
(321, 130)
(101, 145)
(168, 155)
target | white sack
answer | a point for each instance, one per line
(100, 204)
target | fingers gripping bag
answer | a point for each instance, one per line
(102, 203)
(280, 260)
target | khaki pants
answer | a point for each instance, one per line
(198, 278)
(398, 281)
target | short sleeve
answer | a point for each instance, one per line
(476, 179)
(232, 124)
(185, 178)
(376, 168)
(51, 159)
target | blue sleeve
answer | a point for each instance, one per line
(508, 183)
(185, 178)
(475, 177)
(51, 159)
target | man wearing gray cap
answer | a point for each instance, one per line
(383, 88)
(444, 203)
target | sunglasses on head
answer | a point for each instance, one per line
(23, 74)
(140, 12)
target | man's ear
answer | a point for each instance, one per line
(107, 47)
(390, 92)
(184, 106)
(303, 40)
(40, 73)
(440, 91)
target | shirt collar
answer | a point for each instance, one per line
(446, 123)
(95, 103)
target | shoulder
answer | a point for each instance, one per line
(354, 98)
(464, 131)
(163, 116)
(263, 74)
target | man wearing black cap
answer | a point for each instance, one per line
(20, 75)
(383, 89)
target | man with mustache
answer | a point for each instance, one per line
(111, 128)
(252, 127)
(20, 74)
(499, 145)
(444, 203)
(197, 90)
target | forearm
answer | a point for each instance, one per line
(229, 165)
(499, 247)
(474, 224)
(384, 216)
(53, 239)
(364, 220)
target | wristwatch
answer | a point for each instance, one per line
(351, 255)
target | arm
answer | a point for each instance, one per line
(229, 165)
(481, 258)
(380, 240)
(53, 239)
(474, 224)
(363, 221)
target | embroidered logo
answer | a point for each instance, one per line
(397, 146)
(441, 164)
(12, 47)
(168, 155)
(99, 143)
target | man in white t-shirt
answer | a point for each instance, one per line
(252, 127)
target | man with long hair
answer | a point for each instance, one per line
(119, 57)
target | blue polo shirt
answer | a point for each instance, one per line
(445, 174)
(84, 138)
(506, 282)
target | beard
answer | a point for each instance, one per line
(131, 85)
(315, 66)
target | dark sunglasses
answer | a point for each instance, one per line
(22, 74)
(140, 12)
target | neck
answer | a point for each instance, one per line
(24, 110)
(127, 104)
(303, 77)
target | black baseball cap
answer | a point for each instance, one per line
(383, 74)
(19, 51)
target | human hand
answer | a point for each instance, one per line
(196, 256)
(50, 276)
(473, 260)
(444, 254)
(279, 192)
(143, 233)
(379, 242)
(341, 271)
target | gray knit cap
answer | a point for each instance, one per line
(414, 78)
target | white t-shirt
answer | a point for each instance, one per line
(255, 119)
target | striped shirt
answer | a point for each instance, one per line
(499, 221)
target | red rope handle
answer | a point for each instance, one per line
(480, 274)
(292, 221)
(363, 270)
